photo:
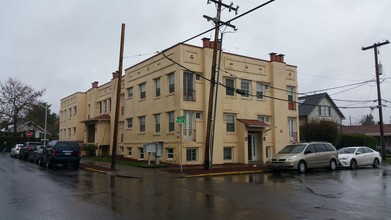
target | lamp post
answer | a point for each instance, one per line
(46, 123)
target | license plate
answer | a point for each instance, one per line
(67, 153)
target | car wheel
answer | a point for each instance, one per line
(302, 167)
(376, 163)
(353, 164)
(333, 165)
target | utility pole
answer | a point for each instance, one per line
(118, 99)
(207, 158)
(374, 47)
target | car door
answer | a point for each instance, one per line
(360, 157)
(311, 156)
(323, 155)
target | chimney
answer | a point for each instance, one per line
(95, 84)
(115, 74)
(280, 58)
(206, 43)
(273, 56)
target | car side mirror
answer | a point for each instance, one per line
(358, 153)
(307, 152)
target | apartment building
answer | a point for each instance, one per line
(249, 125)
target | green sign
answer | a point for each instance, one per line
(181, 119)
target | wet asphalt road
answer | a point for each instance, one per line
(29, 191)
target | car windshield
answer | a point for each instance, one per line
(292, 149)
(347, 150)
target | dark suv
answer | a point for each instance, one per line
(61, 152)
(26, 148)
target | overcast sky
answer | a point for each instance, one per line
(64, 46)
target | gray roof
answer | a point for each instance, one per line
(308, 103)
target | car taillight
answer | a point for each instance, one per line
(53, 152)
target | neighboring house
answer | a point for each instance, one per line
(370, 130)
(319, 107)
(27, 129)
(249, 127)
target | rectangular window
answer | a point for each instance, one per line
(170, 153)
(157, 123)
(141, 152)
(100, 107)
(74, 130)
(191, 154)
(292, 129)
(75, 110)
(171, 121)
(129, 151)
(324, 111)
(142, 90)
(245, 86)
(171, 83)
(228, 153)
(260, 90)
(188, 87)
(130, 92)
(129, 122)
(230, 87)
(230, 122)
(264, 118)
(104, 106)
(291, 98)
(70, 112)
(157, 87)
(142, 123)
(69, 132)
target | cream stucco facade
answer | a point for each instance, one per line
(155, 92)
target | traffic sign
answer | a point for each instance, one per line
(29, 134)
(181, 119)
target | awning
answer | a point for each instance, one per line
(251, 123)
(104, 117)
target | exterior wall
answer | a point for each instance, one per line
(334, 116)
(274, 73)
(72, 112)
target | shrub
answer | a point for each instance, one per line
(90, 149)
(348, 140)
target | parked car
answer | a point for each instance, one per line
(15, 150)
(303, 156)
(35, 154)
(61, 152)
(354, 157)
(27, 147)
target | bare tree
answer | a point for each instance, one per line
(16, 99)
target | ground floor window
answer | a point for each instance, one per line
(170, 153)
(129, 151)
(141, 152)
(268, 152)
(228, 153)
(191, 154)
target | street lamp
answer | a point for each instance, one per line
(46, 122)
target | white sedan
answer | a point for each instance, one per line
(354, 157)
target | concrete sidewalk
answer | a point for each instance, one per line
(169, 171)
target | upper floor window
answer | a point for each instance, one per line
(157, 123)
(325, 111)
(260, 90)
(171, 121)
(157, 87)
(245, 86)
(230, 87)
(130, 92)
(171, 82)
(104, 106)
(291, 98)
(188, 87)
(142, 123)
(264, 118)
(230, 122)
(142, 90)
(75, 110)
(129, 122)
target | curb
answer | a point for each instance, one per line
(222, 174)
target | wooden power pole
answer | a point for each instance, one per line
(374, 47)
(118, 99)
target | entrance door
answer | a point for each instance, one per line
(252, 147)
